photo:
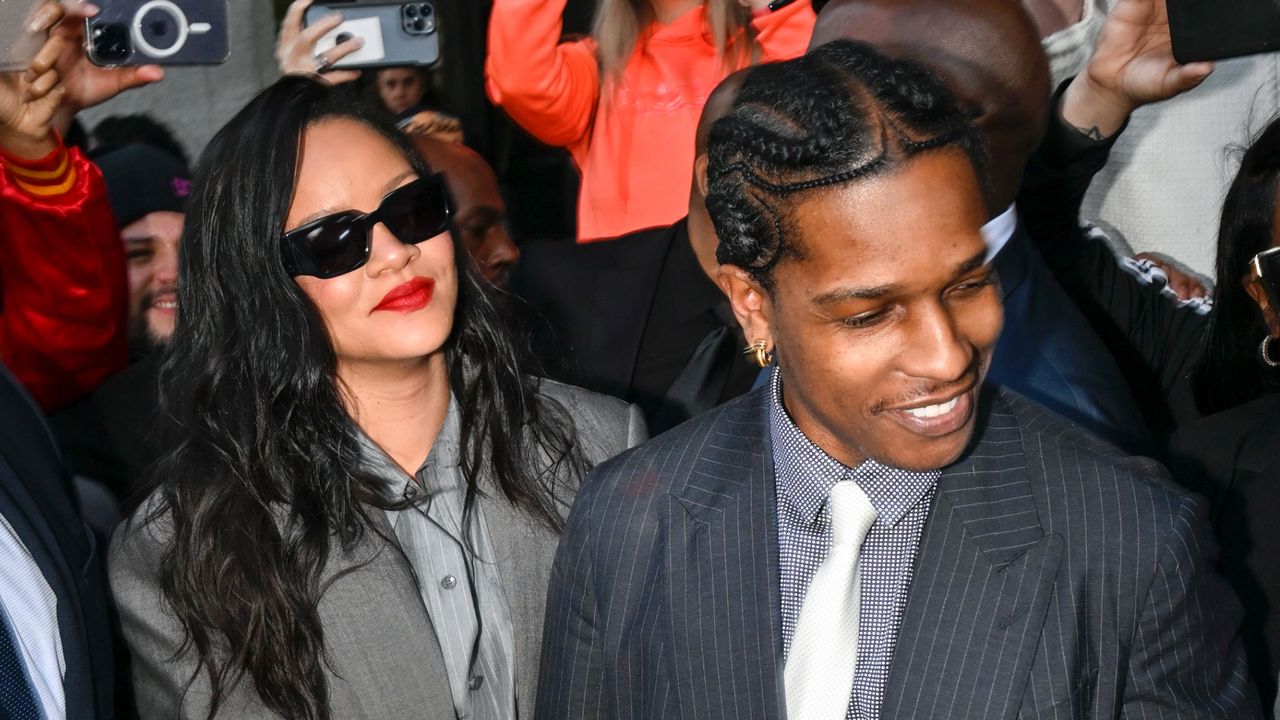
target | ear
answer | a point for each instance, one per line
(751, 304)
(700, 174)
(1253, 286)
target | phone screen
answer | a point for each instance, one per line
(18, 44)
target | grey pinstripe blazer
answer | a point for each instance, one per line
(385, 661)
(1056, 579)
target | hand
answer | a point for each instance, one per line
(437, 125)
(29, 99)
(1132, 65)
(296, 45)
(87, 84)
(1183, 285)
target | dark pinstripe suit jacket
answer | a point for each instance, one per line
(1056, 579)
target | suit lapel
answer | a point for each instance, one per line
(48, 523)
(722, 569)
(982, 586)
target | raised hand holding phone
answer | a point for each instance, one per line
(1132, 65)
(296, 45)
(29, 98)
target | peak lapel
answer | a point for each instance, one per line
(722, 566)
(982, 586)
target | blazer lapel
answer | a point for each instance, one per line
(722, 570)
(378, 632)
(525, 550)
(982, 586)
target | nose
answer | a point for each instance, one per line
(936, 349)
(501, 251)
(387, 253)
(167, 264)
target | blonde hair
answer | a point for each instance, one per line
(619, 23)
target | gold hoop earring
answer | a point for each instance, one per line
(758, 353)
(1265, 351)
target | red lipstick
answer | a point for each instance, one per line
(409, 296)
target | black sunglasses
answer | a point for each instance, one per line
(337, 244)
(1266, 265)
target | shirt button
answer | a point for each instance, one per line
(449, 582)
(475, 681)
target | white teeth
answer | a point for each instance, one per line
(166, 304)
(933, 411)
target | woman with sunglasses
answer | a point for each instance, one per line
(1208, 382)
(360, 506)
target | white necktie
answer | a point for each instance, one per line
(824, 650)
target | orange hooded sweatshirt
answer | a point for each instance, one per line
(633, 141)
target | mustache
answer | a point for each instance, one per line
(969, 378)
(149, 297)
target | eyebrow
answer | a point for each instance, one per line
(387, 189)
(878, 292)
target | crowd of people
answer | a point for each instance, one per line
(840, 404)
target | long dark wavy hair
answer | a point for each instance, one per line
(264, 477)
(1230, 372)
(842, 112)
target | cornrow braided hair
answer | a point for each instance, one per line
(839, 113)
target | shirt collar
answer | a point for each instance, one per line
(445, 453)
(999, 230)
(805, 473)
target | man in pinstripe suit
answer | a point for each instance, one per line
(1010, 565)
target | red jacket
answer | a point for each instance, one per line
(63, 293)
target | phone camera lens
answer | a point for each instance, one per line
(342, 37)
(411, 11)
(419, 25)
(110, 42)
(426, 10)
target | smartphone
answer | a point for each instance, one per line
(18, 44)
(1221, 29)
(158, 32)
(394, 33)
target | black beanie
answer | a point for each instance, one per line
(142, 179)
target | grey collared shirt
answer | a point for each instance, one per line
(804, 476)
(455, 581)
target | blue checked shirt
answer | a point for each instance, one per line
(804, 476)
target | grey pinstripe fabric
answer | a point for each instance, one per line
(1056, 579)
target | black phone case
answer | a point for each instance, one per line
(159, 32)
(1221, 29)
(400, 47)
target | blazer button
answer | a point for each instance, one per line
(449, 582)
(475, 682)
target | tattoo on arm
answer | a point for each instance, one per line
(1092, 133)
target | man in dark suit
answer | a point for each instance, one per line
(997, 67)
(876, 534)
(57, 652)
(640, 317)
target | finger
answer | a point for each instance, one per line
(338, 77)
(45, 58)
(132, 77)
(314, 32)
(78, 11)
(46, 17)
(42, 86)
(292, 23)
(343, 49)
